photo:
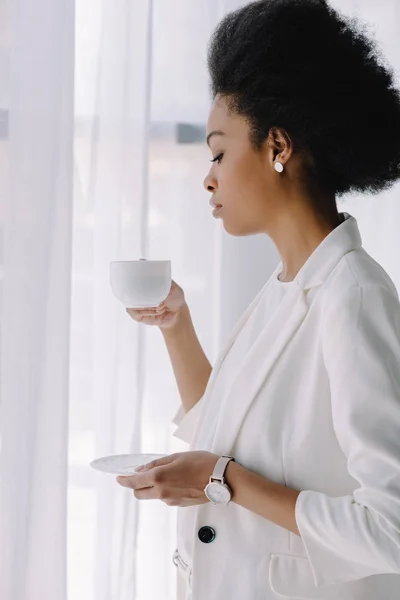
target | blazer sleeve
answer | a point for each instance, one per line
(187, 421)
(352, 537)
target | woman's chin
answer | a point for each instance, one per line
(236, 230)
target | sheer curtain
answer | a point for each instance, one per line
(141, 104)
(36, 125)
(102, 157)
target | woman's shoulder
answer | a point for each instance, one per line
(358, 269)
(359, 291)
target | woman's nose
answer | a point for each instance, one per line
(209, 184)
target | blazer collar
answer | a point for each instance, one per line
(259, 360)
(341, 240)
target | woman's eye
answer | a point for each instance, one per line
(218, 158)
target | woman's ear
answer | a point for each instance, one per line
(281, 145)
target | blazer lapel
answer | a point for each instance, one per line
(256, 367)
(235, 332)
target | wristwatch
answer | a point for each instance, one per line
(217, 491)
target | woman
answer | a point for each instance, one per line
(305, 397)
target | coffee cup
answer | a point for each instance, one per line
(140, 283)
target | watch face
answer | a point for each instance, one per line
(218, 493)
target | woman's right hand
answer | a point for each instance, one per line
(166, 315)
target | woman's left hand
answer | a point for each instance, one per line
(178, 479)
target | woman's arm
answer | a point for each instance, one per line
(353, 536)
(180, 479)
(262, 496)
(191, 367)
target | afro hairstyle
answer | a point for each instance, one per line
(301, 66)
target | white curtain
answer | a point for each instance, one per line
(102, 157)
(141, 104)
(36, 140)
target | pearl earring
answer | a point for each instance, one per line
(278, 166)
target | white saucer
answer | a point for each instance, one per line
(123, 464)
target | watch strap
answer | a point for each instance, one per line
(220, 467)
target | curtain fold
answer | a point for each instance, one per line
(141, 102)
(36, 224)
(110, 199)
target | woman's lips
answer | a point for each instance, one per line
(217, 210)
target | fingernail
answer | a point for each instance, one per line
(140, 468)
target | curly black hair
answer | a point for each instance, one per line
(301, 66)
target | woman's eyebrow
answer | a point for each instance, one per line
(216, 132)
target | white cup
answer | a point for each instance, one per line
(140, 283)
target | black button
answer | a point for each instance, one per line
(206, 534)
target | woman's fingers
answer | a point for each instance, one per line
(146, 312)
(153, 313)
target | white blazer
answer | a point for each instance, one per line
(315, 406)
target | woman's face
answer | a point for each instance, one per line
(242, 181)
